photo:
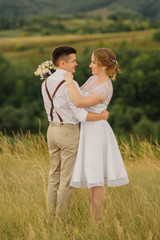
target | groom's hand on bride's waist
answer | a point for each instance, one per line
(105, 114)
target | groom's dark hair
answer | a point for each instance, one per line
(62, 52)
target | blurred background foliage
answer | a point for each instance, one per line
(134, 108)
(30, 30)
(49, 17)
(28, 8)
(78, 24)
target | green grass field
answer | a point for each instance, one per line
(131, 212)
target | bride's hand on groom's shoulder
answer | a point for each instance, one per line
(68, 77)
(105, 114)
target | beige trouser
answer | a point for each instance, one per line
(63, 142)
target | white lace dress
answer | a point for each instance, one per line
(99, 159)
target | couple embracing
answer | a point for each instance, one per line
(85, 154)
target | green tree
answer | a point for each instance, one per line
(156, 36)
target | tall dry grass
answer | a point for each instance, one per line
(132, 212)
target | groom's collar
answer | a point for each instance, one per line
(61, 71)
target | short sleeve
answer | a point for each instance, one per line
(104, 91)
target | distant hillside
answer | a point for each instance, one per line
(28, 8)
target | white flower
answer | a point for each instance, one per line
(45, 69)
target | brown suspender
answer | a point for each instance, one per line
(51, 99)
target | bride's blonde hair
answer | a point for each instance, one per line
(106, 58)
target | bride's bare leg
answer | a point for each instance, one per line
(98, 195)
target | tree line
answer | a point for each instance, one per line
(27, 8)
(77, 24)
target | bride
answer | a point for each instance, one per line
(99, 160)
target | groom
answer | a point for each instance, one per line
(63, 130)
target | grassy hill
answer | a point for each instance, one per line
(27, 8)
(37, 48)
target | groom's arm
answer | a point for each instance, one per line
(97, 116)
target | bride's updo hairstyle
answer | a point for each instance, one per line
(104, 57)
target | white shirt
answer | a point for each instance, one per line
(62, 102)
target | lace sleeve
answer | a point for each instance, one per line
(104, 91)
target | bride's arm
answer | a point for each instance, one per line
(82, 86)
(76, 97)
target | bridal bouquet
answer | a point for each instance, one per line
(45, 69)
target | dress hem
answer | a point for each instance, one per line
(110, 183)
